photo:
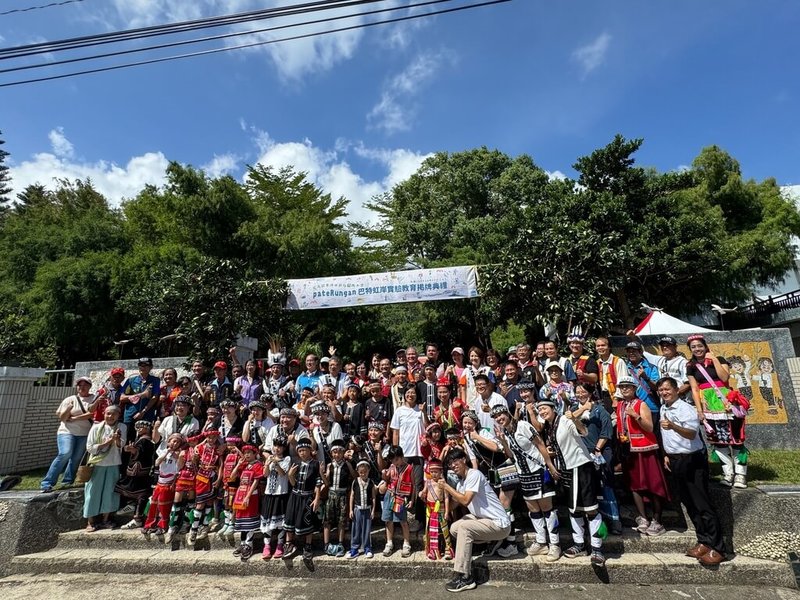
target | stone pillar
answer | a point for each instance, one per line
(16, 386)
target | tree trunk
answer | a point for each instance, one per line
(625, 309)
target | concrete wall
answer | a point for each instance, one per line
(37, 442)
(16, 385)
(767, 426)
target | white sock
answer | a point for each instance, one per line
(577, 529)
(539, 526)
(551, 517)
(594, 526)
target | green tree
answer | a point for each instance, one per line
(5, 179)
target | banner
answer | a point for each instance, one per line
(446, 283)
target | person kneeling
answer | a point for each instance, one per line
(487, 520)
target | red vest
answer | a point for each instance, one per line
(628, 430)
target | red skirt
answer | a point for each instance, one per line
(643, 473)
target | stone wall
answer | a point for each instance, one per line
(16, 385)
(769, 425)
(37, 442)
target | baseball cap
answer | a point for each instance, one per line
(221, 364)
(634, 346)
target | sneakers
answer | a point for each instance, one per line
(598, 558)
(278, 551)
(134, 524)
(289, 552)
(368, 554)
(247, 552)
(353, 553)
(406, 551)
(330, 549)
(388, 548)
(575, 551)
(739, 482)
(238, 550)
(641, 524)
(727, 480)
(192, 537)
(339, 551)
(508, 549)
(655, 529)
(169, 536)
(493, 548)
(554, 553)
(461, 584)
(203, 532)
(213, 524)
(308, 553)
(537, 549)
(267, 553)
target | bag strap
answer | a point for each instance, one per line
(707, 377)
(518, 450)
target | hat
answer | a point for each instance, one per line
(377, 425)
(667, 340)
(362, 462)
(143, 425)
(547, 402)
(433, 426)
(526, 384)
(280, 440)
(145, 360)
(634, 346)
(575, 336)
(471, 414)
(511, 350)
(400, 369)
(250, 447)
(83, 380)
(288, 412)
(320, 407)
(256, 404)
(294, 361)
(443, 381)
(434, 463)
(233, 439)
(324, 359)
(117, 371)
(353, 384)
(227, 402)
(695, 337)
(626, 380)
(400, 351)
(499, 409)
(458, 349)
(221, 364)
(195, 438)
(552, 364)
(303, 443)
(338, 444)
(183, 400)
(209, 432)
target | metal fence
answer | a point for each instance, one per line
(61, 378)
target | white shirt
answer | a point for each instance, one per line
(101, 433)
(299, 434)
(79, 428)
(408, 422)
(167, 428)
(277, 484)
(485, 417)
(684, 415)
(572, 447)
(484, 503)
(523, 436)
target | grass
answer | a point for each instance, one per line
(765, 466)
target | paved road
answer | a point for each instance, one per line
(91, 586)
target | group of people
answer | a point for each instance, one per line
(465, 448)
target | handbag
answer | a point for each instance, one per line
(84, 472)
(508, 474)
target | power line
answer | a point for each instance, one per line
(219, 37)
(171, 28)
(40, 7)
(253, 44)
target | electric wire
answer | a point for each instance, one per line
(40, 7)
(252, 44)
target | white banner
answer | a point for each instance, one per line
(446, 283)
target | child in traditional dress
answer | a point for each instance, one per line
(338, 476)
(275, 497)
(432, 442)
(229, 484)
(207, 457)
(363, 501)
(437, 507)
(164, 492)
(304, 501)
(398, 487)
(184, 487)
(246, 504)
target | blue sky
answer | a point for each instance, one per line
(358, 111)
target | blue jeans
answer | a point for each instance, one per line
(70, 452)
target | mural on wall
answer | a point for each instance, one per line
(753, 374)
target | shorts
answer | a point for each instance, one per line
(387, 514)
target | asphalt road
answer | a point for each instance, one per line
(92, 586)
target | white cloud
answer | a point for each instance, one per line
(396, 109)
(330, 170)
(62, 147)
(557, 175)
(222, 164)
(113, 181)
(592, 55)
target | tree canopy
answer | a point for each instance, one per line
(202, 259)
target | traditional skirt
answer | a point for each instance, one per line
(534, 486)
(273, 511)
(249, 518)
(185, 481)
(300, 519)
(722, 428)
(643, 473)
(135, 487)
(204, 485)
(581, 486)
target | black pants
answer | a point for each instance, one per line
(690, 472)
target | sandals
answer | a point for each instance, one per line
(91, 528)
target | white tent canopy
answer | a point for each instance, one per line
(660, 323)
